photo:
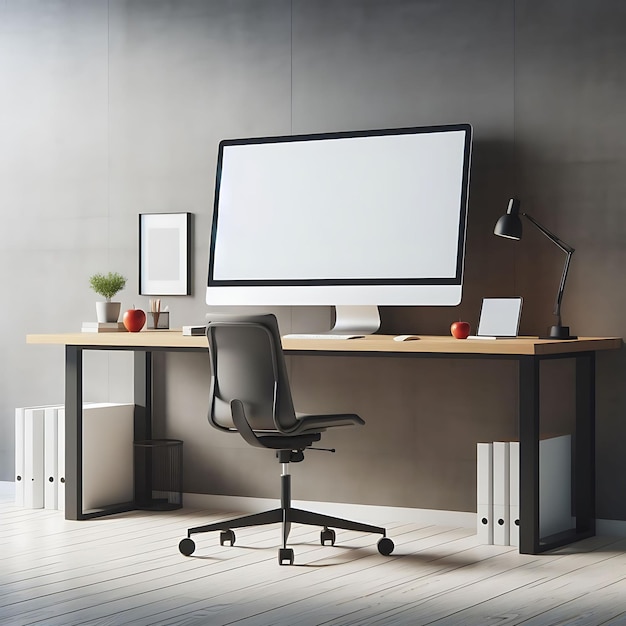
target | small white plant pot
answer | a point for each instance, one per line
(108, 311)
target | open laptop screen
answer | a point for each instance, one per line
(499, 317)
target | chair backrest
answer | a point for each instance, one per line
(247, 364)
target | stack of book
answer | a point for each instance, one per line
(103, 327)
(497, 489)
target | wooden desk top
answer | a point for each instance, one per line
(143, 339)
(373, 343)
(450, 345)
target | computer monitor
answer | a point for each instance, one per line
(355, 220)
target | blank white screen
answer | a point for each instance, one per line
(377, 207)
(500, 317)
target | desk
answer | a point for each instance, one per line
(527, 351)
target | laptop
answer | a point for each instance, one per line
(499, 318)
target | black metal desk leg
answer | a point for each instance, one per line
(529, 429)
(73, 433)
(143, 424)
(585, 445)
(143, 395)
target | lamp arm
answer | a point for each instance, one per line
(559, 295)
(551, 236)
(568, 251)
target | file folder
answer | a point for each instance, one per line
(19, 457)
(20, 447)
(555, 484)
(501, 503)
(61, 459)
(107, 454)
(51, 457)
(514, 493)
(484, 492)
(33, 458)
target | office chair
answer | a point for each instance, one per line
(250, 394)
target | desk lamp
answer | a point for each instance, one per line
(510, 226)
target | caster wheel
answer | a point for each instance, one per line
(328, 534)
(227, 535)
(187, 546)
(385, 546)
(285, 554)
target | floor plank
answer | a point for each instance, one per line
(126, 569)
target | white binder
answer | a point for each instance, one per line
(19, 457)
(107, 454)
(501, 502)
(484, 492)
(33, 458)
(61, 459)
(555, 485)
(514, 493)
(20, 448)
(51, 457)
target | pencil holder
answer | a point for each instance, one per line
(158, 320)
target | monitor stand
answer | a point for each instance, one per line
(358, 320)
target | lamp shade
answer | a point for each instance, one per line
(510, 224)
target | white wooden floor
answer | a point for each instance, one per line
(127, 570)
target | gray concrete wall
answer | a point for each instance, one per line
(110, 109)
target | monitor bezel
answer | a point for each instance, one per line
(328, 291)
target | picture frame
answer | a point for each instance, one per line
(164, 254)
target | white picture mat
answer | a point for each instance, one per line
(274, 196)
(163, 254)
(499, 317)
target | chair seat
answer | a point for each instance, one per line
(308, 430)
(308, 422)
(288, 442)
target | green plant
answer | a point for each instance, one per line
(107, 285)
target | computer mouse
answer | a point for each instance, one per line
(405, 338)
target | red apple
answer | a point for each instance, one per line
(134, 319)
(460, 330)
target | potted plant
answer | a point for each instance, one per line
(107, 285)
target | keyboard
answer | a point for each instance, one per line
(321, 336)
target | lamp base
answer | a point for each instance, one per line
(559, 332)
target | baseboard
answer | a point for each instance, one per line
(368, 513)
(364, 512)
(359, 512)
(611, 528)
